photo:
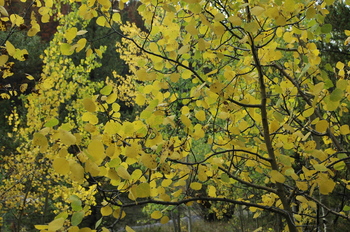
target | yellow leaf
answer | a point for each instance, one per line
(257, 10)
(193, 1)
(11, 50)
(77, 172)
(340, 65)
(106, 210)
(16, 20)
(116, 17)
(174, 77)
(274, 126)
(140, 99)
(164, 220)
(297, 217)
(118, 213)
(198, 132)
(325, 184)
(73, 229)
(3, 59)
(123, 173)
(211, 191)
(185, 120)
(90, 117)
(3, 11)
(277, 176)
(302, 185)
(89, 105)
(29, 77)
(66, 49)
(80, 44)
(149, 161)
(92, 168)
(320, 167)
(71, 33)
(143, 190)
(235, 20)
(39, 140)
(61, 165)
(257, 214)
(321, 126)
(251, 27)
(101, 21)
(111, 98)
(97, 150)
(41, 227)
(184, 49)
(310, 13)
(191, 29)
(318, 88)
(129, 229)
(308, 112)
(195, 185)
(156, 215)
(166, 182)
(56, 224)
(200, 115)
(82, 32)
(67, 138)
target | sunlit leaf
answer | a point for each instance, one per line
(61, 165)
(56, 224)
(277, 176)
(66, 49)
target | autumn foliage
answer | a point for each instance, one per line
(232, 103)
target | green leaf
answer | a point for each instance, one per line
(66, 49)
(342, 155)
(77, 217)
(51, 123)
(339, 166)
(63, 215)
(75, 202)
(98, 223)
(336, 95)
(326, 28)
(225, 177)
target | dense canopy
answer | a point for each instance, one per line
(223, 103)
